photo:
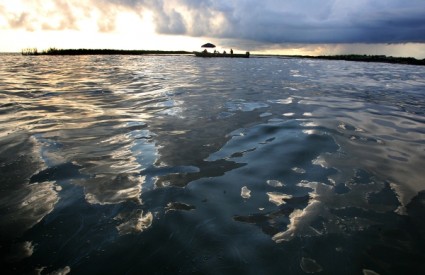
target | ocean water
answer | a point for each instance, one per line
(181, 165)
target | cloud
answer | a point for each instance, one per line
(267, 21)
(301, 21)
(170, 22)
(32, 15)
(18, 20)
(58, 15)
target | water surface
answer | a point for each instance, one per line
(167, 164)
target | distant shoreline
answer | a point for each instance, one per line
(54, 51)
(349, 57)
(362, 58)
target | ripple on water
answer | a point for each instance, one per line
(27, 206)
(310, 265)
(176, 157)
(244, 106)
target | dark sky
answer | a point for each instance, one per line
(291, 21)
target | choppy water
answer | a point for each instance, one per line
(160, 165)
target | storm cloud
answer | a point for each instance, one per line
(267, 21)
(292, 21)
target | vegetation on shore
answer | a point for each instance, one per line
(54, 51)
(368, 58)
(30, 51)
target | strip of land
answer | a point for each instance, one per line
(54, 51)
(363, 58)
(350, 57)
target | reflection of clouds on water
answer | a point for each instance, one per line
(24, 202)
(112, 189)
(323, 199)
(298, 170)
(112, 165)
(300, 221)
(275, 183)
(278, 198)
(27, 200)
(368, 139)
(134, 222)
(107, 166)
(27, 206)
(245, 192)
(340, 189)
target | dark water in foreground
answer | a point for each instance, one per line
(165, 165)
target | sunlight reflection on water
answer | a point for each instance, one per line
(228, 165)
